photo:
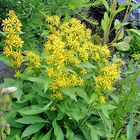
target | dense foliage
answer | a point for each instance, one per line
(70, 83)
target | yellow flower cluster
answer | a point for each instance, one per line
(102, 100)
(67, 49)
(70, 45)
(34, 60)
(109, 76)
(13, 43)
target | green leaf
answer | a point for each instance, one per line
(57, 131)
(46, 84)
(93, 132)
(69, 134)
(5, 60)
(130, 127)
(86, 65)
(105, 23)
(105, 112)
(134, 7)
(93, 98)
(107, 122)
(114, 97)
(31, 110)
(47, 136)
(69, 92)
(31, 129)
(34, 109)
(19, 90)
(105, 4)
(81, 93)
(135, 31)
(122, 46)
(35, 79)
(31, 120)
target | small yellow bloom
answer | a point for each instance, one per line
(102, 100)
(33, 59)
(53, 108)
(51, 73)
(58, 96)
(83, 71)
(17, 73)
(96, 57)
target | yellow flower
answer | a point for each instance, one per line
(13, 43)
(81, 82)
(102, 99)
(53, 21)
(53, 108)
(83, 71)
(74, 80)
(61, 82)
(33, 59)
(119, 62)
(17, 58)
(54, 86)
(7, 51)
(58, 96)
(106, 51)
(17, 73)
(96, 57)
(51, 73)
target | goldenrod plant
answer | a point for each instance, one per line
(65, 87)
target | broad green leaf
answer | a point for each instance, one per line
(35, 79)
(81, 93)
(31, 120)
(69, 92)
(130, 126)
(5, 60)
(79, 137)
(105, 4)
(34, 109)
(105, 23)
(135, 31)
(116, 22)
(31, 129)
(93, 98)
(31, 110)
(58, 131)
(122, 46)
(121, 34)
(86, 65)
(86, 131)
(17, 137)
(118, 26)
(93, 132)
(105, 112)
(69, 134)
(114, 97)
(46, 84)
(107, 123)
(47, 136)
(19, 91)
(134, 7)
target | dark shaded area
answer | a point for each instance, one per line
(5, 71)
(97, 13)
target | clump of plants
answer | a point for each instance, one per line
(63, 89)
